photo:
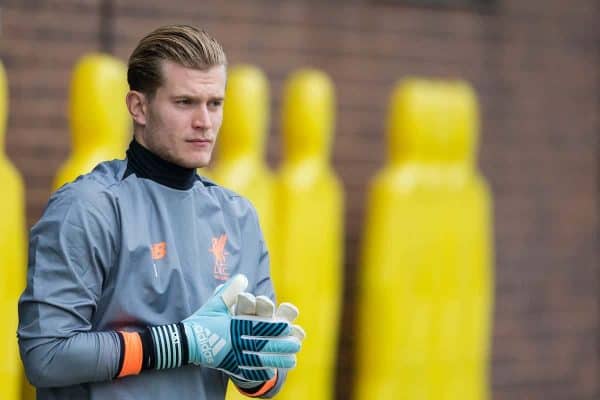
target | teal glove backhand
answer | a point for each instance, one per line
(245, 348)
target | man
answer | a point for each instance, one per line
(123, 298)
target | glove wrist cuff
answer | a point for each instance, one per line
(257, 389)
(184, 344)
(165, 346)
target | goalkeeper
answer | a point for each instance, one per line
(146, 280)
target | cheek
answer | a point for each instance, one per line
(217, 120)
(174, 121)
(156, 118)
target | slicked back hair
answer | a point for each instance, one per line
(182, 44)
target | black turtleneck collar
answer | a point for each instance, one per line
(145, 164)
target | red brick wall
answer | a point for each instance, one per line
(535, 65)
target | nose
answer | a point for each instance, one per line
(201, 118)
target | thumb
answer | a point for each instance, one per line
(226, 294)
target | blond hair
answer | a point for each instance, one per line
(182, 44)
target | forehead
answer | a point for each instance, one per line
(179, 80)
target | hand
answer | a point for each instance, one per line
(243, 348)
(261, 308)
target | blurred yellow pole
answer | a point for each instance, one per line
(240, 164)
(462, 338)
(310, 209)
(13, 263)
(99, 120)
(425, 275)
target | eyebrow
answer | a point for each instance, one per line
(197, 98)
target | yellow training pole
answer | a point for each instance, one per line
(425, 274)
(13, 263)
(99, 120)
(310, 209)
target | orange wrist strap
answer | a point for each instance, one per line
(133, 354)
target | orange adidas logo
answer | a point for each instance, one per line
(159, 250)
(218, 250)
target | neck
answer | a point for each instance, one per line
(146, 164)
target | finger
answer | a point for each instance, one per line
(264, 307)
(297, 332)
(289, 345)
(265, 329)
(257, 373)
(232, 288)
(245, 304)
(287, 311)
(285, 361)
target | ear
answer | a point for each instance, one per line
(137, 106)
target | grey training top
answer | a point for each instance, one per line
(114, 251)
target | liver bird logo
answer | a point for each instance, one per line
(218, 250)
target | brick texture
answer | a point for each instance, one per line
(535, 65)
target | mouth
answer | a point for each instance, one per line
(200, 142)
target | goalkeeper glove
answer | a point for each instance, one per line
(245, 348)
(261, 308)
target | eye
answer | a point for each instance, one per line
(215, 103)
(183, 101)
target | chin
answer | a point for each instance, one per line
(197, 163)
(191, 160)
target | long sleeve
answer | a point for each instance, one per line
(70, 252)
